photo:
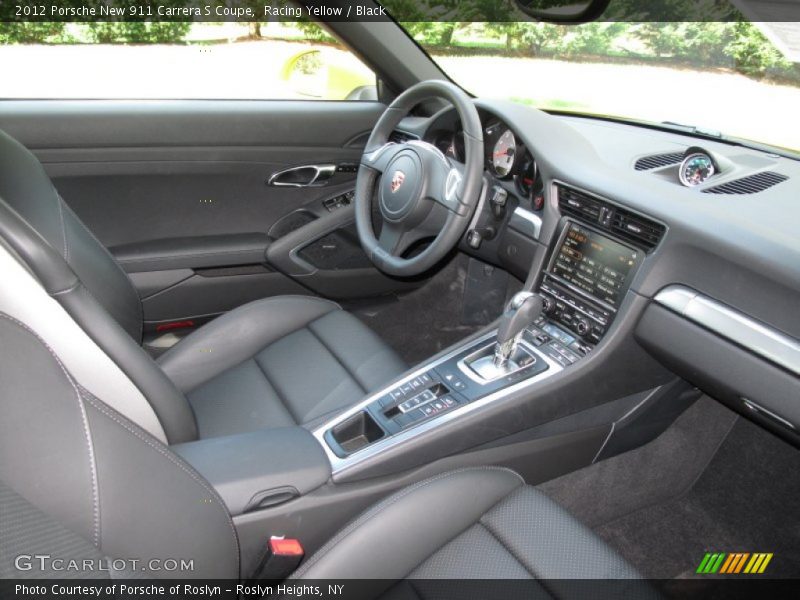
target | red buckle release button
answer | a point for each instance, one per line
(286, 547)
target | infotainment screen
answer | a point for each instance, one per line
(594, 263)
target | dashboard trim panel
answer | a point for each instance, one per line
(526, 223)
(733, 325)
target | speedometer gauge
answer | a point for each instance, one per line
(504, 153)
(696, 168)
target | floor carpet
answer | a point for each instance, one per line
(713, 482)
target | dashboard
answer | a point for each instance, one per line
(659, 233)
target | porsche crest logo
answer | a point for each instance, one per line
(397, 180)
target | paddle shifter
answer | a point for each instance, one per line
(521, 311)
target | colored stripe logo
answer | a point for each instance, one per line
(732, 563)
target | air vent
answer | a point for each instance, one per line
(658, 160)
(638, 230)
(752, 184)
(401, 137)
(623, 223)
(578, 204)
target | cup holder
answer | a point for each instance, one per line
(356, 432)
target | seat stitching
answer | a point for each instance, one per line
(171, 352)
(504, 544)
(414, 589)
(334, 355)
(275, 389)
(86, 431)
(381, 506)
(470, 525)
(59, 202)
(155, 445)
(507, 548)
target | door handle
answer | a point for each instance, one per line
(303, 176)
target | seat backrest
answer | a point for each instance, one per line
(26, 188)
(80, 481)
(79, 273)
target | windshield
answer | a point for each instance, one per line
(728, 77)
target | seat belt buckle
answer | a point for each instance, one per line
(280, 560)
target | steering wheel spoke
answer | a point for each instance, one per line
(379, 159)
(393, 239)
(446, 186)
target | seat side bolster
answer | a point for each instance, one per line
(396, 535)
(238, 335)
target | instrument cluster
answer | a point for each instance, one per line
(506, 158)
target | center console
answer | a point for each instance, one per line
(585, 282)
(540, 335)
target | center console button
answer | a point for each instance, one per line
(452, 381)
(582, 326)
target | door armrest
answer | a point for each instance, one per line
(196, 252)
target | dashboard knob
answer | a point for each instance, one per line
(548, 304)
(582, 326)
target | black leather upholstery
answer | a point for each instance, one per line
(26, 188)
(245, 371)
(478, 523)
(101, 478)
(282, 361)
(79, 480)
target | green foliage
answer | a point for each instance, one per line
(312, 31)
(29, 33)
(698, 43)
(596, 39)
(137, 32)
(754, 55)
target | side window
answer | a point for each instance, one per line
(139, 61)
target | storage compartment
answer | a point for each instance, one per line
(747, 382)
(260, 469)
(355, 433)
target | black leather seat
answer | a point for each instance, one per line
(476, 523)
(247, 370)
(282, 361)
(79, 480)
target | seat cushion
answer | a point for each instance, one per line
(288, 360)
(477, 523)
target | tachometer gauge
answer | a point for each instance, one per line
(526, 176)
(696, 168)
(504, 154)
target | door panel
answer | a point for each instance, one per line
(179, 191)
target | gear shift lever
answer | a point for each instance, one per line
(521, 311)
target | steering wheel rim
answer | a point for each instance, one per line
(412, 177)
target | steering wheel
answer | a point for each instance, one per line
(420, 192)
